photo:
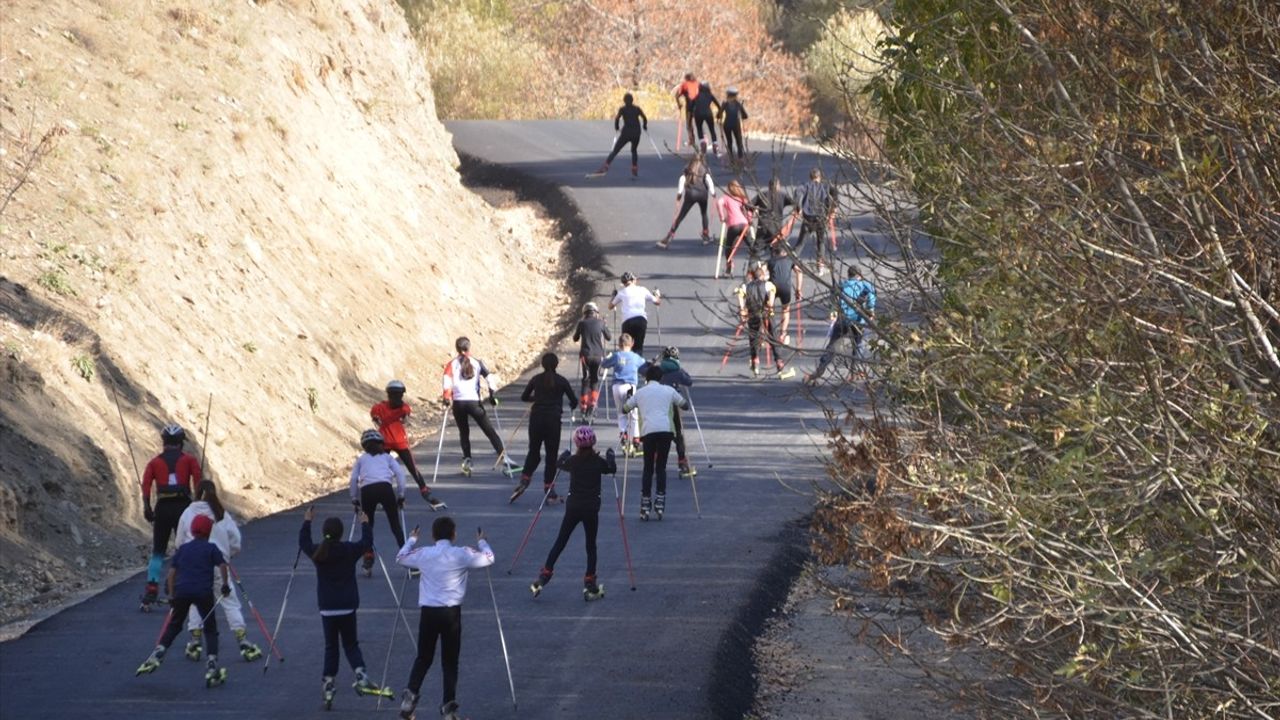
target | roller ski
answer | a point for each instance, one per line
(329, 691)
(544, 577)
(435, 503)
(152, 663)
(214, 675)
(150, 597)
(509, 468)
(466, 467)
(519, 489)
(195, 648)
(599, 173)
(366, 565)
(646, 506)
(248, 650)
(590, 590)
(659, 505)
(364, 687)
(688, 471)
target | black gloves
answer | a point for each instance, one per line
(608, 454)
(148, 513)
(493, 399)
(564, 457)
(400, 503)
(226, 589)
(444, 402)
(356, 504)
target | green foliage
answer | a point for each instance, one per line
(313, 399)
(843, 60)
(56, 281)
(84, 366)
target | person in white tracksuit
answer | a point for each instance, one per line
(656, 403)
(226, 536)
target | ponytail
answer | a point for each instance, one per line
(466, 367)
(549, 363)
(332, 535)
(208, 492)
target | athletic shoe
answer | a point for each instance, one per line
(408, 701)
(436, 503)
(524, 485)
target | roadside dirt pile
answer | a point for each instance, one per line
(249, 202)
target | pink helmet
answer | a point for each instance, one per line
(584, 437)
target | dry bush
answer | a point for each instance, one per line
(1079, 465)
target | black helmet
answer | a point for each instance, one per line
(671, 351)
(628, 277)
(370, 436)
(172, 434)
(395, 386)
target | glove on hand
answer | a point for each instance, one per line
(444, 402)
(493, 399)
(608, 454)
(400, 503)
(149, 514)
(564, 457)
(226, 589)
(356, 504)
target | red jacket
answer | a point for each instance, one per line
(688, 89)
(172, 474)
(390, 422)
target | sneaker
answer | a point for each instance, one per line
(466, 467)
(665, 242)
(635, 171)
(328, 691)
(195, 649)
(524, 485)
(645, 506)
(590, 590)
(408, 701)
(755, 370)
(659, 504)
(449, 711)
(214, 675)
(706, 238)
(544, 577)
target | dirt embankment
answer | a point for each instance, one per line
(249, 202)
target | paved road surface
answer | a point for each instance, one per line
(672, 649)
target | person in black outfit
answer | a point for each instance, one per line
(585, 469)
(702, 115)
(771, 205)
(817, 207)
(338, 595)
(694, 187)
(628, 123)
(544, 391)
(781, 267)
(732, 113)
(592, 333)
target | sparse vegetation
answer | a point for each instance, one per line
(84, 365)
(313, 398)
(55, 281)
(250, 346)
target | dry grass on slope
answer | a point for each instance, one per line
(253, 202)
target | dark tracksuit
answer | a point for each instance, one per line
(193, 564)
(702, 112)
(759, 318)
(780, 271)
(544, 391)
(771, 216)
(583, 506)
(336, 589)
(592, 333)
(632, 121)
(695, 191)
(817, 201)
(733, 113)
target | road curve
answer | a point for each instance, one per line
(677, 647)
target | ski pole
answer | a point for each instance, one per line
(799, 315)
(724, 229)
(209, 614)
(204, 439)
(626, 547)
(626, 465)
(654, 144)
(702, 439)
(679, 126)
(444, 419)
(831, 226)
(355, 520)
(657, 314)
(128, 443)
(527, 533)
(164, 625)
(502, 638)
(262, 625)
(283, 604)
(392, 587)
(729, 351)
(738, 243)
(510, 438)
(386, 664)
(604, 384)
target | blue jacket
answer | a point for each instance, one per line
(861, 291)
(193, 564)
(336, 587)
(624, 364)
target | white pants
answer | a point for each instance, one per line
(627, 422)
(230, 607)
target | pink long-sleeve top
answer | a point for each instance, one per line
(733, 211)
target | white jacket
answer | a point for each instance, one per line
(656, 402)
(226, 534)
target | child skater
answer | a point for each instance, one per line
(377, 479)
(585, 469)
(339, 598)
(188, 584)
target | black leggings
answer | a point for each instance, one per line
(657, 446)
(463, 409)
(591, 376)
(406, 457)
(732, 134)
(678, 424)
(692, 195)
(381, 493)
(168, 512)
(756, 327)
(543, 432)
(816, 226)
(340, 628)
(587, 512)
(444, 623)
(179, 608)
(843, 328)
(636, 327)
(623, 139)
(707, 120)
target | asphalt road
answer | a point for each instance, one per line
(674, 648)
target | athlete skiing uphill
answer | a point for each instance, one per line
(371, 485)
(175, 475)
(630, 301)
(338, 597)
(688, 92)
(817, 205)
(629, 122)
(676, 377)
(592, 333)
(694, 188)
(546, 391)
(735, 213)
(585, 468)
(732, 113)
(624, 363)
(854, 303)
(388, 417)
(756, 298)
(462, 377)
(655, 402)
(702, 116)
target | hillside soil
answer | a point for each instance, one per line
(244, 217)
